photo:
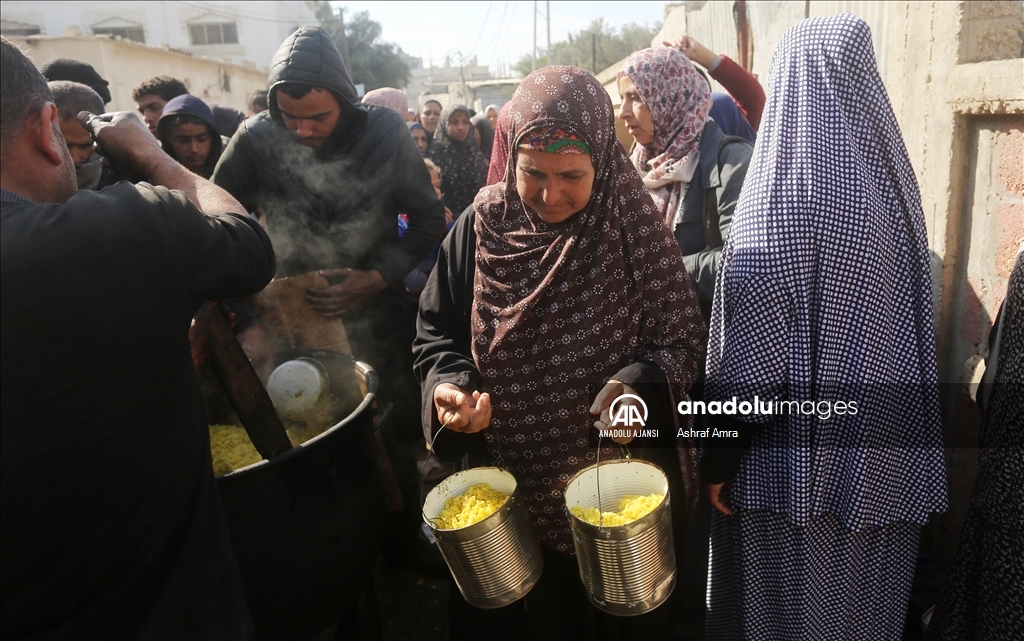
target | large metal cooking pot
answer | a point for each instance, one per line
(305, 524)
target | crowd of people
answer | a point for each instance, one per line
(508, 273)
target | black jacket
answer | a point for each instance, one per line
(336, 205)
(701, 234)
(112, 522)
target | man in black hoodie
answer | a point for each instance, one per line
(188, 135)
(330, 175)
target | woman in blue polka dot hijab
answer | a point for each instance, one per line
(822, 329)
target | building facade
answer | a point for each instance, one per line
(246, 33)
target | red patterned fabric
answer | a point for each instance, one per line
(560, 306)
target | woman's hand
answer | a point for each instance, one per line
(460, 410)
(694, 50)
(715, 498)
(603, 402)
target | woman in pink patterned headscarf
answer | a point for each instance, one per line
(694, 174)
(678, 100)
(393, 99)
(693, 171)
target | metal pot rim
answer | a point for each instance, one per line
(617, 531)
(492, 517)
(371, 394)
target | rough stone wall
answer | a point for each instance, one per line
(956, 81)
(991, 31)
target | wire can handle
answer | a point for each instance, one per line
(624, 450)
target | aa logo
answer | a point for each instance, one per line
(628, 414)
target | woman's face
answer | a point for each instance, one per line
(635, 113)
(492, 117)
(556, 186)
(430, 115)
(458, 126)
(476, 136)
(420, 137)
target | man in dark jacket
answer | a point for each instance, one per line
(330, 176)
(112, 522)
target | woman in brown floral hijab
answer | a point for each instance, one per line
(564, 279)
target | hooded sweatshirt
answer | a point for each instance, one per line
(335, 205)
(189, 105)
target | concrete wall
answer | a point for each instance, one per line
(712, 23)
(125, 64)
(957, 86)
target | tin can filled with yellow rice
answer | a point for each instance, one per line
(624, 540)
(482, 529)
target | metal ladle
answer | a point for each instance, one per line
(244, 389)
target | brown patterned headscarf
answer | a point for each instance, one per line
(560, 306)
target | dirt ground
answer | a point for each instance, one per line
(404, 606)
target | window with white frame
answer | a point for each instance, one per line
(213, 33)
(128, 33)
(120, 28)
(14, 28)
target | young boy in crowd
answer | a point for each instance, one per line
(187, 133)
(152, 95)
(71, 98)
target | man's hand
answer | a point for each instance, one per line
(694, 50)
(335, 300)
(603, 403)
(715, 498)
(460, 410)
(123, 137)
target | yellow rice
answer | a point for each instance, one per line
(232, 449)
(472, 506)
(631, 508)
